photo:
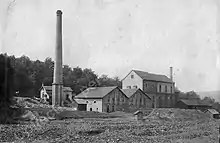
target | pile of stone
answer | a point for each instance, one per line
(27, 102)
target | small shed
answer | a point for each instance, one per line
(138, 115)
(213, 113)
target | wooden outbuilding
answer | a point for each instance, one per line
(139, 115)
(192, 104)
(213, 113)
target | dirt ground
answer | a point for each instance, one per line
(161, 126)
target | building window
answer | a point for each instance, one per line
(122, 99)
(160, 88)
(129, 87)
(97, 109)
(113, 100)
(67, 96)
(131, 101)
(90, 109)
(87, 101)
(108, 99)
(108, 108)
(171, 89)
(165, 88)
(168, 97)
(135, 86)
(94, 101)
(140, 101)
(113, 108)
(132, 76)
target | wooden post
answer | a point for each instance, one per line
(219, 134)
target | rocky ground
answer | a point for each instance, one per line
(162, 126)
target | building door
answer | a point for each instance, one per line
(82, 107)
(108, 109)
(113, 108)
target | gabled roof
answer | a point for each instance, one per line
(95, 92)
(50, 88)
(138, 112)
(80, 101)
(129, 92)
(194, 102)
(213, 111)
(152, 77)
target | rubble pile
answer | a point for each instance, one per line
(117, 130)
(177, 114)
(27, 102)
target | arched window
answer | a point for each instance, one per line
(140, 100)
(160, 88)
(107, 108)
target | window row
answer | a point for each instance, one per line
(117, 99)
(97, 109)
(129, 87)
(138, 101)
(166, 89)
(88, 101)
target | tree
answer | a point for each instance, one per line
(106, 81)
(189, 95)
(6, 90)
(209, 100)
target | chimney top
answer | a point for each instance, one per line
(59, 12)
(171, 73)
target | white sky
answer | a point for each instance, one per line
(114, 36)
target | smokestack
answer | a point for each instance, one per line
(171, 73)
(58, 65)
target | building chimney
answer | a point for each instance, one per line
(58, 65)
(171, 73)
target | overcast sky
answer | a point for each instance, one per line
(114, 36)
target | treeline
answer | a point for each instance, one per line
(29, 76)
(208, 100)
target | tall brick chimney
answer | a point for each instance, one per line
(171, 73)
(58, 65)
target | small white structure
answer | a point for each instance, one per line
(46, 93)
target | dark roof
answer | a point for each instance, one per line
(95, 92)
(64, 88)
(194, 102)
(152, 77)
(129, 92)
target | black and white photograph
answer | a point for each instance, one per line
(110, 71)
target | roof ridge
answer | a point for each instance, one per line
(153, 76)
